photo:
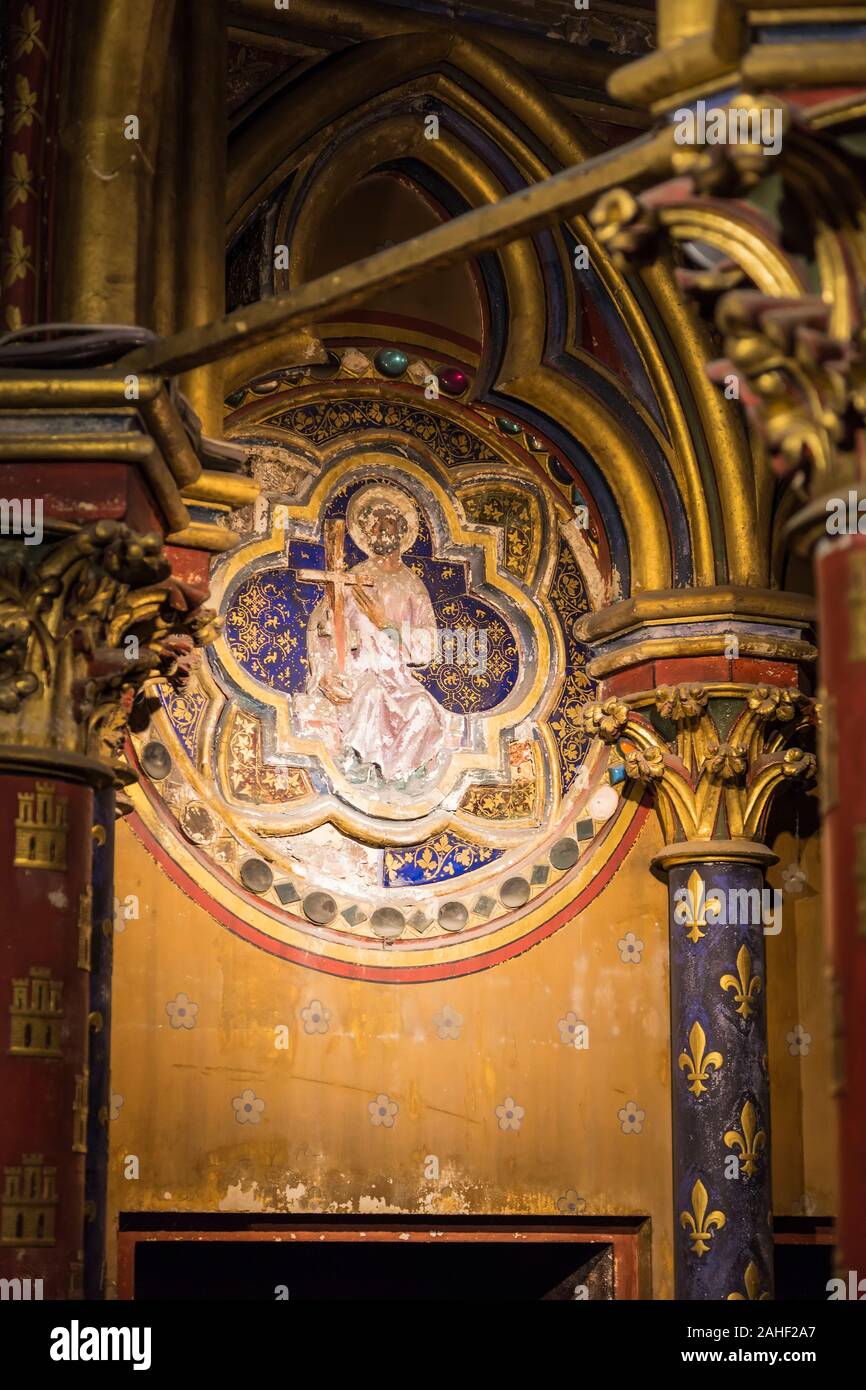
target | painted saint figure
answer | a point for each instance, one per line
(374, 624)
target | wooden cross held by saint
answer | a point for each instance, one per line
(336, 579)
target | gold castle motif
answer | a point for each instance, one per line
(29, 1202)
(41, 829)
(36, 1011)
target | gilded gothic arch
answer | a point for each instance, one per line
(355, 125)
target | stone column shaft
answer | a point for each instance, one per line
(720, 1097)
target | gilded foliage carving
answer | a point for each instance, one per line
(84, 628)
(709, 783)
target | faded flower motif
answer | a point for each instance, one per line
(570, 1202)
(680, 702)
(316, 1017)
(509, 1113)
(799, 1041)
(383, 1111)
(727, 761)
(572, 1031)
(181, 1012)
(248, 1108)
(630, 949)
(447, 1022)
(645, 764)
(115, 1105)
(770, 700)
(605, 719)
(631, 1118)
(793, 879)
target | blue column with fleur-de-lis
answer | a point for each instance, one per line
(723, 1238)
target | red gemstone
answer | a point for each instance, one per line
(453, 381)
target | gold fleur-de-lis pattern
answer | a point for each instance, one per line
(749, 1140)
(744, 984)
(697, 1061)
(691, 911)
(700, 1223)
(752, 1284)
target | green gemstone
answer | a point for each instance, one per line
(507, 426)
(391, 362)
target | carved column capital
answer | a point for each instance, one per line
(712, 755)
(85, 626)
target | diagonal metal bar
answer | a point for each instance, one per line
(529, 210)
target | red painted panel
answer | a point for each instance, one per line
(748, 670)
(840, 572)
(629, 682)
(83, 492)
(692, 668)
(41, 914)
(192, 566)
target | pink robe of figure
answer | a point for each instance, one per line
(390, 721)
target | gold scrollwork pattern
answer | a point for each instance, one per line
(517, 513)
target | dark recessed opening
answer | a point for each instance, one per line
(388, 1270)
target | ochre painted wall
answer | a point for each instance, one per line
(315, 1147)
(803, 1111)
